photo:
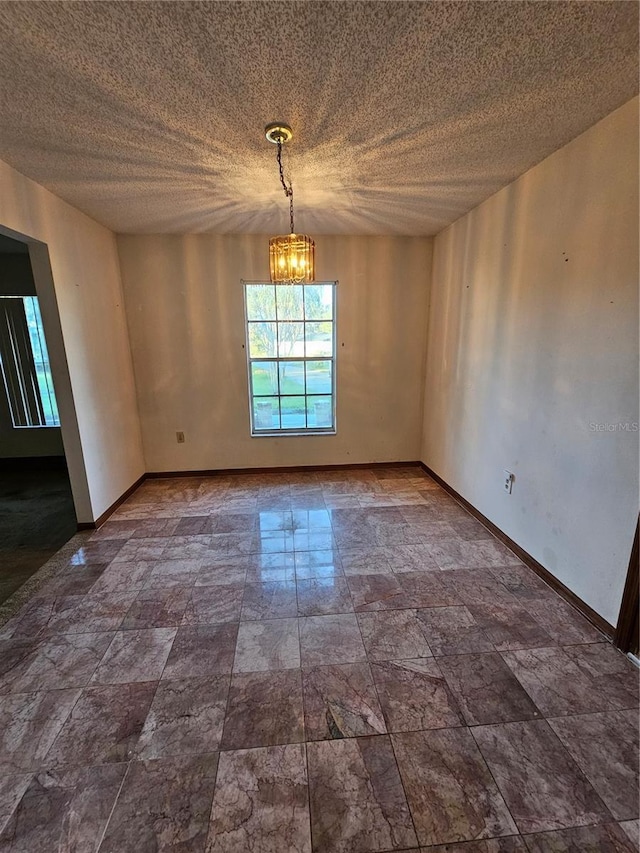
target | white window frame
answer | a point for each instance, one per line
(293, 431)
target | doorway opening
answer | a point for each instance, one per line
(37, 513)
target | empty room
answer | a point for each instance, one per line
(319, 426)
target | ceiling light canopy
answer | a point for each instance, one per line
(291, 256)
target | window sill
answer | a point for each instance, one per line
(280, 433)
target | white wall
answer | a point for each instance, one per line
(185, 312)
(533, 336)
(76, 271)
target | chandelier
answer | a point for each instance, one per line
(291, 257)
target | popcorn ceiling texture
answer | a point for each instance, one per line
(149, 116)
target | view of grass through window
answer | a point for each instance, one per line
(290, 338)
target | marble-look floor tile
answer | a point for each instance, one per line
(453, 631)
(631, 828)
(261, 802)
(411, 558)
(377, 592)
(506, 844)
(29, 724)
(135, 656)
(92, 552)
(462, 553)
(562, 622)
(157, 608)
(68, 660)
(230, 571)
(123, 577)
(414, 695)
(357, 799)
(185, 718)
(187, 547)
(480, 586)
(393, 635)
(12, 787)
(396, 536)
(365, 561)
(318, 564)
(509, 627)
(429, 589)
(451, 793)
(195, 525)
(271, 644)
(322, 596)
(264, 709)
(610, 671)
(74, 581)
(113, 529)
(149, 548)
(522, 582)
(330, 639)
(313, 540)
(154, 527)
(172, 573)
(605, 747)
(202, 651)
(486, 689)
(341, 701)
(471, 530)
(555, 683)
(163, 806)
(64, 810)
(103, 726)
(213, 605)
(605, 838)
(77, 614)
(539, 780)
(274, 600)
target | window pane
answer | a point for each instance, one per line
(292, 377)
(290, 339)
(319, 412)
(290, 304)
(319, 339)
(318, 301)
(266, 414)
(262, 340)
(319, 377)
(264, 375)
(41, 361)
(261, 302)
(292, 409)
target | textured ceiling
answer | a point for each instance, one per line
(149, 116)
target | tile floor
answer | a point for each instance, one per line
(326, 662)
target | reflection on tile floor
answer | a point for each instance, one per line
(335, 661)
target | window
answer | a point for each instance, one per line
(291, 355)
(24, 362)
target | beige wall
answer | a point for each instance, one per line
(185, 311)
(533, 337)
(76, 271)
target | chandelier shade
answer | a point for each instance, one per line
(292, 258)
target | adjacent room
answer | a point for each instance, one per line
(319, 426)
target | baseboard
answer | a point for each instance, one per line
(570, 597)
(94, 525)
(286, 469)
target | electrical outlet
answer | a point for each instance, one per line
(507, 482)
(180, 437)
